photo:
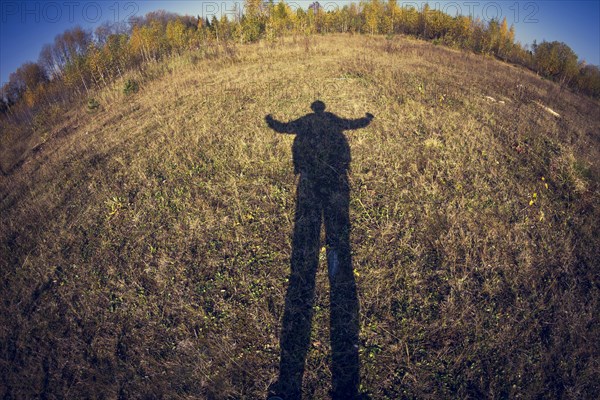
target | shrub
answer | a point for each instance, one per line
(588, 80)
(46, 118)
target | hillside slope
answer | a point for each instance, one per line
(145, 250)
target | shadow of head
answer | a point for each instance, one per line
(318, 106)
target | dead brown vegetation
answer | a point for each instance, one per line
(144, 253)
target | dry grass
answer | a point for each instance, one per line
(145, 253)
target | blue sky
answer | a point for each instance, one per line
(25, 26)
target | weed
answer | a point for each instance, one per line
(93, 104)
(130, 86)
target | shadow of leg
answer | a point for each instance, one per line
(345, 367)
(344, 337)
(297, 317)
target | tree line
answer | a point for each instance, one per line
(79, 61)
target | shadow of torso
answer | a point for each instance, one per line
(320, 150)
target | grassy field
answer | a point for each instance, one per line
(145, 245)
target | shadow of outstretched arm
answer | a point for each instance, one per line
(349, 124)
(281, 127)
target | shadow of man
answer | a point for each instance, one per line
(322, 157)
